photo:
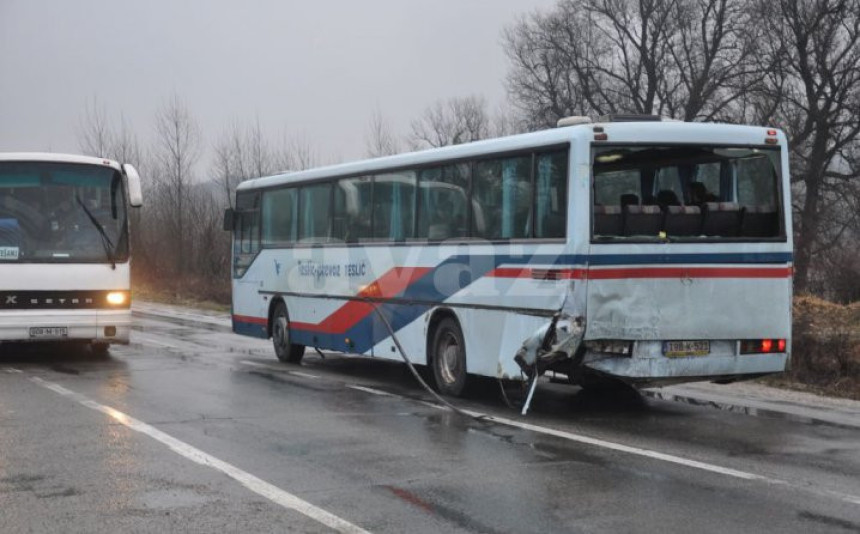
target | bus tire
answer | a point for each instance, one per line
(449, 358)
(286, 351)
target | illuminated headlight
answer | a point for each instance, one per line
(117, 298)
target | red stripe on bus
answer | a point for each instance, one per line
(249, 319)
(641, 272)
(388, 285)
(689, 272)
(536, 274)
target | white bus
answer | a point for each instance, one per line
(646, 251)
(64, 248)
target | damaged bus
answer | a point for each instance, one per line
(626, 249)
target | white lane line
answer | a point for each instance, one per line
(257, 485)
(276, 368)
(845, 497)
(306, 375)
(373, 391)
(619, 447)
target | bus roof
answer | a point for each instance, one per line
(57, 158)
(625, 132)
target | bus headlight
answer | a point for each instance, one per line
(117, 298)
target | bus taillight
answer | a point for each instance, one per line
(762, 346)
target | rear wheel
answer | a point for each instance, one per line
(449, 358)
(285, 350)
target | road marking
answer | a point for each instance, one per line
(306, 375)
(276, 368)
(671, 458)
(257, 485)
(373, 391)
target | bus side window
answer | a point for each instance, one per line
(551, 194)
(443, 210)
(314, 220)
(352, 208)
(394, 206)
(503, 190)
(279, 217)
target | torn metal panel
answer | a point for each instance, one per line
(688, 308)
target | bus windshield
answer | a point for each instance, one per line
(688, 192)
(61, 213)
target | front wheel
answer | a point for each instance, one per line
(449, 358)
(285, 350)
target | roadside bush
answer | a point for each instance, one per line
(826, 346)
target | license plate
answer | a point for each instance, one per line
(51, 332)
(677, 349)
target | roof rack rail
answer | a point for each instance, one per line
(630, 117)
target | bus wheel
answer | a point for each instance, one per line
(449, 358)
(285, 350)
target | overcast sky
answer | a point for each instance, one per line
(314, 69)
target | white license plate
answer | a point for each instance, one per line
(49, 332)
(677, 349)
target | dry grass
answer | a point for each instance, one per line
(825, 349)
(186, 291)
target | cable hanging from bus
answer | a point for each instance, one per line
(647, 252)
(64, 248)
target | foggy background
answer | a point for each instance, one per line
(316, 70)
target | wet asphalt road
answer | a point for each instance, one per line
(226, 439)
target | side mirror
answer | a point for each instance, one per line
(228, 219)
(135, 195)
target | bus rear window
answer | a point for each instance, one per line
(687, 192)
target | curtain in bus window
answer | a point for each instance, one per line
(315, 211)
(279, 217)
(394, 205)
(551, 212)
(516, 197)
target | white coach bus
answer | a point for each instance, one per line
(64, 250)
(646, 251)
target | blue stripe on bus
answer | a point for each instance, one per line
(461, 271)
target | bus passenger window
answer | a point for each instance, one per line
(352, 208)
(314, 220)
(394, 206)
(279, 217)
(442, 202)
(502, 189)
(551, 194)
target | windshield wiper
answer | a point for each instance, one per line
(106, 242)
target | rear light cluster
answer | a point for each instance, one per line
(762, 346)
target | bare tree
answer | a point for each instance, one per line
(176, 152)
(94, 133)
(451, 122)
(295, 154)
(814, 94)
(690, 59)
(240, 154)
(380, 141)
